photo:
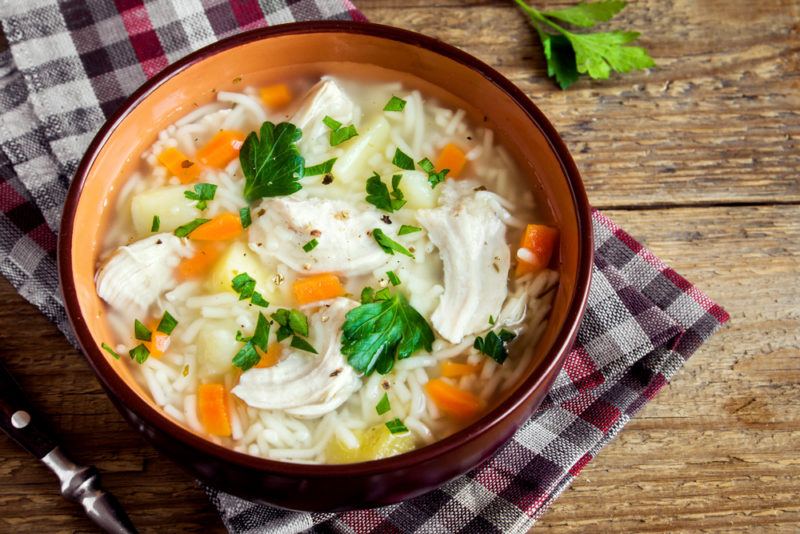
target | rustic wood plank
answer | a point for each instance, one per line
(698, 457)
(718, 122)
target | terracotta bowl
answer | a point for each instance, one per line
(312, 49)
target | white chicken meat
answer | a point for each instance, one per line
(469, 230)
(326, 98)
(344, 242)
(136, 275)
(304, 384)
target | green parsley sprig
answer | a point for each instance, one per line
(570, 54)
(271, 163)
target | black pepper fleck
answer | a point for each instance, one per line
(327, 179)
(386, 219)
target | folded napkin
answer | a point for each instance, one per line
(69, 65)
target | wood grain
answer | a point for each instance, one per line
(698, 159)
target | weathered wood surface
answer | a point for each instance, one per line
(699, 159)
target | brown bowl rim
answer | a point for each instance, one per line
(561, 345)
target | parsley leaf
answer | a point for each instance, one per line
(202, 194)
(293, 323)
(494, 345)
(395, 104)
(245, 217)
(570, 54)
(302, 344)
(248, 356)
(396, 426)
(383, 405)
(272, 164)
(389, 246)
(140, 353)
(167, 323)
(379, 196)
(109, 350)
(261, 333)
(156, 223)
(244, 285)
(402, 160)
(434, 178)
(393, 278)
(322, 168)
(188, 228)
(378, 332)
(331, 123)
(587, 15)
(140, 331)
(342, 134)
(406, 229)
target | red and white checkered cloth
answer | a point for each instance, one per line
(70, 64)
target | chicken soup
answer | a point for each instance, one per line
(326, 271)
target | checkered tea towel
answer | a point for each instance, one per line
(68, 65)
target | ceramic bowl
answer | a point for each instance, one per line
(313, 49)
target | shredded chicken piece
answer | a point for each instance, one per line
(325, 98)
(136, 275)
(344, 242)
(304, 384)
(468, 228)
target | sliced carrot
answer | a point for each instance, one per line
(179, 165)
(453, 158)
(450, 399)
(271, 357)
(540, 241)
(205, 255)
(158, 344)
(276, 96)
(222, 148)
(212, 409)
(455, 370)
(222, 227)
(317, 287)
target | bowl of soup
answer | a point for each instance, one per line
(326, 265)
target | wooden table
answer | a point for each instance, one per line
(699, 159)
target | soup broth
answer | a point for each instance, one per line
(326, 270)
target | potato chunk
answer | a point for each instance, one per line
(169, 203)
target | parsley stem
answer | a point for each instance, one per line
(536, 14)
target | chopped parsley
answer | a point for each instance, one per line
(245, 217)
(322, 168)
(272, 164)
(167, 323)
(140, 331)
(396, 426)
(383, 405)
(381, 330)
(494, 345)
(491, 320)
(389, 246)
(403, 160)
(188, 228)
(156, 223)
(379, 196)
(406, 229)
(342, 134)
(109, 350)
(245, 286)
(393, 278)
(202, 194)
(139, 353)
(395, 104)
(293, 323)
(311, 245)
(434, 178)
(248, 356)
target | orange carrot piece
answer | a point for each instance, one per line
(202, 260)
(276, 96)
(158, 344)
(223, 226)
(179, 165)
(271, 357)
(455, 370)
(453, 158)
(317, 287)
(450, 399)
(222, 148)
(540, 241)
(212, 409)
